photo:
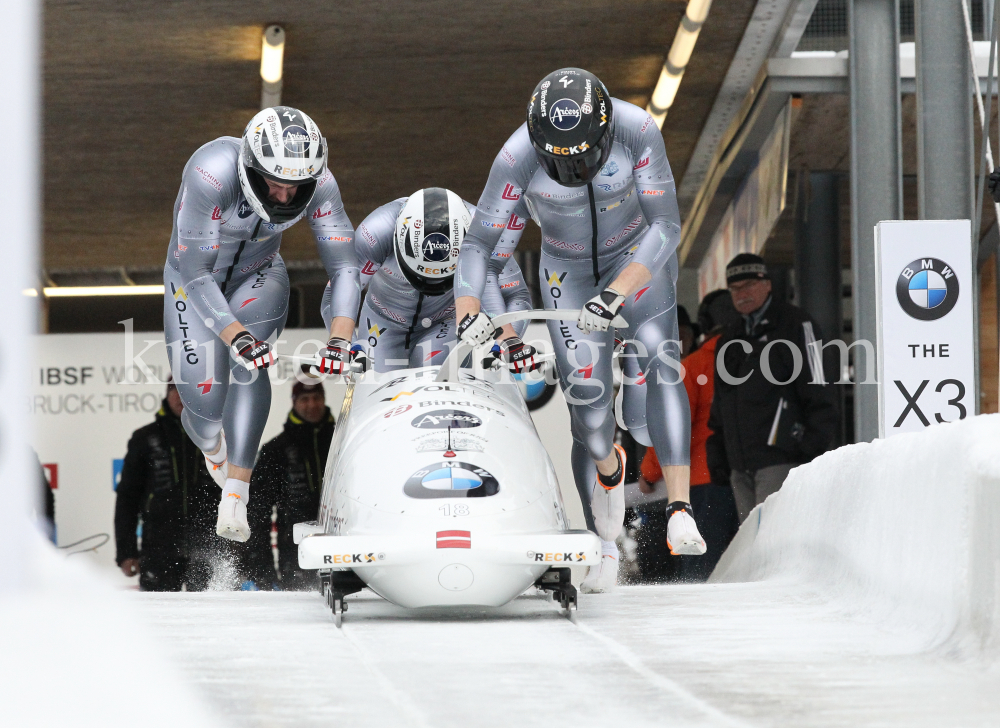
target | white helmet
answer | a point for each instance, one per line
(283, 145)
(429, 233)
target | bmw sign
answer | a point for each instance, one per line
(925, 322)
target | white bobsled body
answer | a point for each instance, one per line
(441, 493)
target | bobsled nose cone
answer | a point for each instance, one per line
(456, 577)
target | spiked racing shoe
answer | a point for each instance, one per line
(683, 537)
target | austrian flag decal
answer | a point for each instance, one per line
(454, 539)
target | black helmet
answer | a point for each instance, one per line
(571, 124)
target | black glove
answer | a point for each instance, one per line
(993, 182)
(255, 354)
(518, 356)
(336, 357)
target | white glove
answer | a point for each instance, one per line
(601, 312)
(476, 329)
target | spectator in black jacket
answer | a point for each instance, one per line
(289, 476)
(770, 413)
(164, 480)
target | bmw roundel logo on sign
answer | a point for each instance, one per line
(927, 289)
(565, 114)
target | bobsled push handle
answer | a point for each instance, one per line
(449, 370)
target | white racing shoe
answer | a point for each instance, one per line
(683, 538)
(232, 523)
(608, 505)
(603, 577)
(218, 464)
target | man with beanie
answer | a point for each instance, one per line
(289, 476)
(772, 408)
(164, 480)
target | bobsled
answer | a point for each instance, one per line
(439, 493)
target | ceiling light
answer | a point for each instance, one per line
(677, 59)
(68, 291)
(272, 56)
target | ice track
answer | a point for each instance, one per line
(694, 655)
(865, 593)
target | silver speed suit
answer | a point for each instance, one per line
(628, 214)
(223, 266)
(400, 327)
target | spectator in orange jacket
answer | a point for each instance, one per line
(713, 504)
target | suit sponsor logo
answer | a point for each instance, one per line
(208, 177)
(515, 223)
(625, 231)
(369, 269)
(205, 386)
(643, 159)
(188, 347)
(374, 332)
(562, 244)
(510, 192)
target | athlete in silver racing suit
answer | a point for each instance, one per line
(226, 287)
(400, 326)
(592, 172)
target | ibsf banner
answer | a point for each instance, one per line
(925, 318)
(91, 391)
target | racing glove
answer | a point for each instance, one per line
(476, 329)
(518, 356)
(601, 311)
(253, 353)
(336, 357)
(359, 357)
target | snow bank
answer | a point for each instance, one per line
(905, 531)
(76, 653)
